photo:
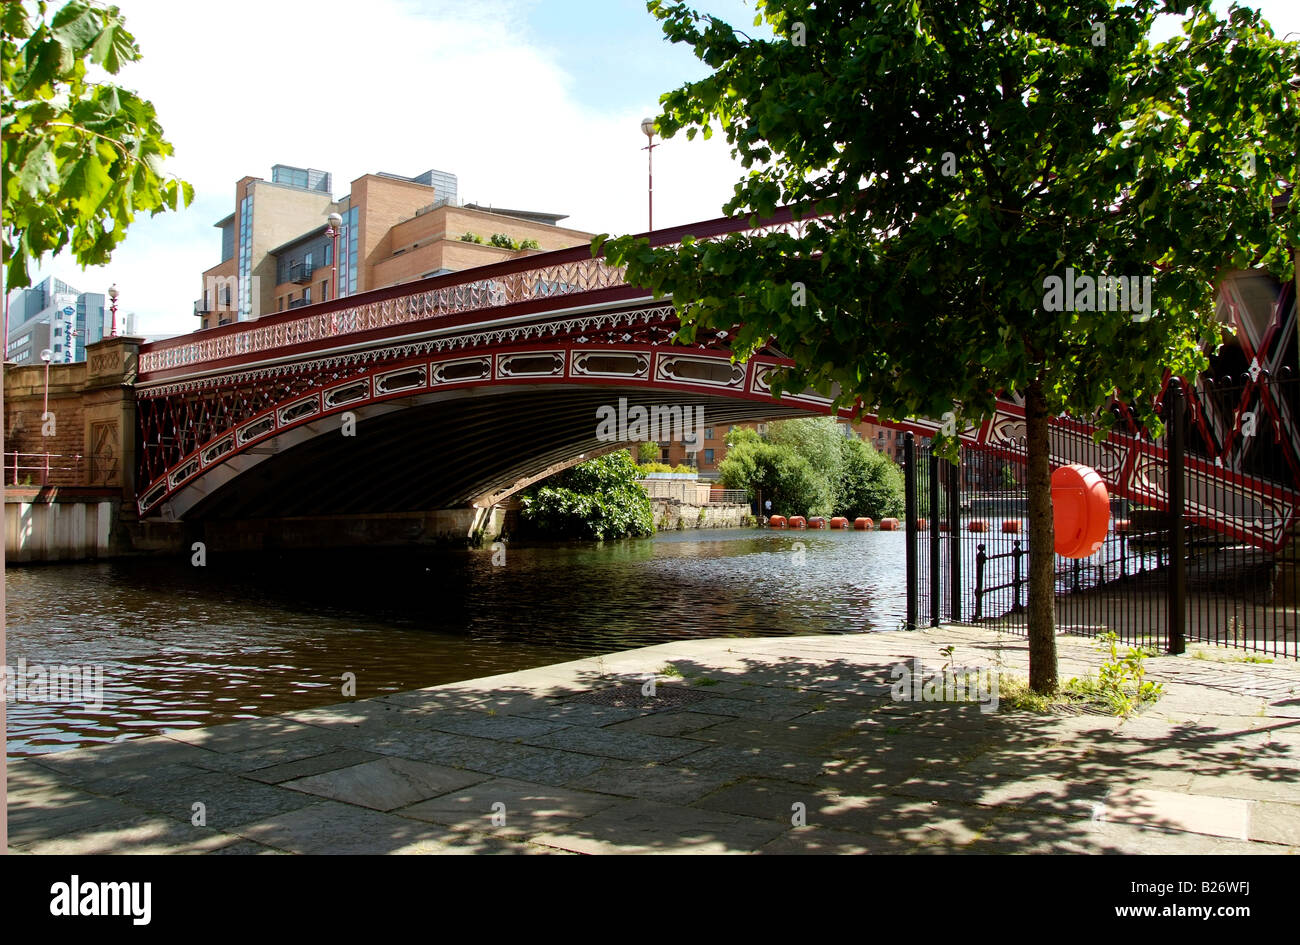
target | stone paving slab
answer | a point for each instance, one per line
(785, 745)
(385, 784)
(506, 808)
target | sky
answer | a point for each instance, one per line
(533, 104)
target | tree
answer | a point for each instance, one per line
(960, 156)
(647, 452)
(816, 439)
(599, 499)
(779, 474)
(808, 467)
(870, 484)
(81, 157)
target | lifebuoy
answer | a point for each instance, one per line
(1080, 510)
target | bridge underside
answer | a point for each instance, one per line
(452, 411)
(431, 451)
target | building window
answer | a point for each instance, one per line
(246, 257)
(708, 457)
(306, 296)
(663, 456)
(348, 253)
(279, 306)
(325, 290)
(708, 433)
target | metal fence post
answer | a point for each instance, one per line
(936, 592)
(909, 494)
(1174, 489)
(954, 538)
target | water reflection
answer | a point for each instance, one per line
(252, 635)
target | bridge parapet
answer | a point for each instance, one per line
(537, 283)
(88, 428)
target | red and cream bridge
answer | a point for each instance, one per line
(462, 389)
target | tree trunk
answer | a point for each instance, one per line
(1042, 555)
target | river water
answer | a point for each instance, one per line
(251, 635)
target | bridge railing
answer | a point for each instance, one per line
(35, 468)
(541, 277)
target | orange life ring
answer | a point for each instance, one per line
(1080, 510)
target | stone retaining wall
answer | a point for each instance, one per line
(671, 516)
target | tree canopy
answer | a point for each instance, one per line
(963, 153)
(81, 157)
(808, 467)
(951, 162)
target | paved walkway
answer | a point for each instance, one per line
(773, 745)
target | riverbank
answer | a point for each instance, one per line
(776, 745)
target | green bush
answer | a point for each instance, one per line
(599, 499)
(502, 240)
(647, 452)
(654, 467)
(471, 238)
(529, 244)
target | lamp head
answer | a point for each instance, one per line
(648, 127)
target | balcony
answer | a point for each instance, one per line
(201, 307)
(300, 273)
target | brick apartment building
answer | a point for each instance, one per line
(277, 254)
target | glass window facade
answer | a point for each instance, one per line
(227, 241)
(348, 253)
(246, 257)
(306, 178)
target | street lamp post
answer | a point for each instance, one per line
(332, 232)
(47, 356)
(112, 295)
(648, 129)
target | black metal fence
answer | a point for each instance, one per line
(1212, 558)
